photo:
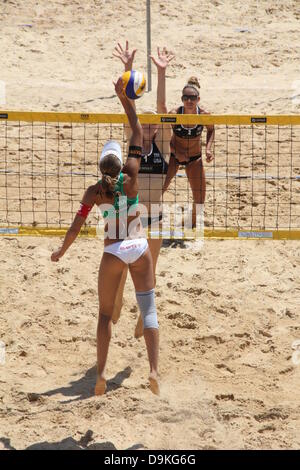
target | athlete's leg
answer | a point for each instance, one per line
(143, 278)
(155, 246)
(196, 176)
(119, 297)
(110, 273)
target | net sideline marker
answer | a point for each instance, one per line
(175, 233)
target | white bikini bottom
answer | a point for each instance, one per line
(128, 251)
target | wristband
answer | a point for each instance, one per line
(135, 151)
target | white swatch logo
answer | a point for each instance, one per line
(2, 353)
(296, 92)
(296, 353)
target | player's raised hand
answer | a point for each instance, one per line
(163, 58)
(125, 55)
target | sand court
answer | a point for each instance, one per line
(228, 311)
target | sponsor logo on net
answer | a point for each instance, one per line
(170, 221)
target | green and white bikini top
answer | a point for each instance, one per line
(122, 204)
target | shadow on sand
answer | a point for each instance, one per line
(83, 388)
(71, 444)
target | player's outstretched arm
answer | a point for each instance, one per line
(132, 165)
(71, 235)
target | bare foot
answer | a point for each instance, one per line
(154, 386)
(100, 387)
(139, 328)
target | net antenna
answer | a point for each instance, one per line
(148, 8)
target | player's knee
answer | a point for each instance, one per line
(146, 302)
(104, 319)
(106, 310)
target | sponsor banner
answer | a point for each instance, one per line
(255, 234)
(9, 231)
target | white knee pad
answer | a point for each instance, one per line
(146, 301)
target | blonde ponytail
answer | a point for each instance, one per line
(109, 183)
(110, 167)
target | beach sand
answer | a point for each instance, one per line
(228, 312)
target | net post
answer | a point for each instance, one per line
(148, 5)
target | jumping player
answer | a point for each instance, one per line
(125, 244)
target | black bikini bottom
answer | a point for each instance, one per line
(190, 160)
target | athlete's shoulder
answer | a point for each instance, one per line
(125, 178)
(203, 111)
(90, 195)
(93, 188)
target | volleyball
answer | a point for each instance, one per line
(134, 84)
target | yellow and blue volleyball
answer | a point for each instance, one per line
(134, 84)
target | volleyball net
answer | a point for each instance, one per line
(47, 160)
